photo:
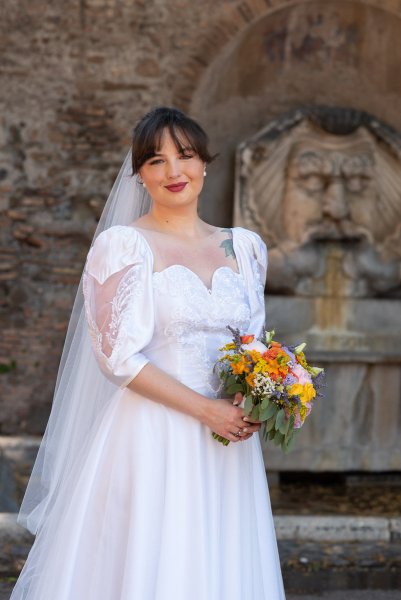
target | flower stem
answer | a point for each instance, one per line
(220, 438)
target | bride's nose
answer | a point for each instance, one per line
(173, 169)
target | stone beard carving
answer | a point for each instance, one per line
(314, 195)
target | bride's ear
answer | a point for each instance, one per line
(139, 179)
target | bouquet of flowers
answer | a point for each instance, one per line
(277, 383)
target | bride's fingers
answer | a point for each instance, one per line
(249, 420)
(246, 428)
(253, 429)
(237, 399)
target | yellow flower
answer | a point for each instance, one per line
(295, 389)
(260, 366)
(230, 346)
(309, 393)
(305, 391)
(303, 411)
(301, 359)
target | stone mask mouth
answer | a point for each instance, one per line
(344, 232)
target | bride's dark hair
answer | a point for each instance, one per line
(186, 133)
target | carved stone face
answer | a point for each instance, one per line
(330, 192)
(328, 206)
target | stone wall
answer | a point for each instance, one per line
(74, 78)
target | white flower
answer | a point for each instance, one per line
(255, 345)
(263, 385)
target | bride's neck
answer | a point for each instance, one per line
(178, 221)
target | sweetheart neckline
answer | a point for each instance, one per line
(207, 288)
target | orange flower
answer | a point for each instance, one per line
(276, 369)
(240, 366)
(255, 355)
(271, 353)
(250, 379)
(247, 339)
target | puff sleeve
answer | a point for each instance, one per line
(117, 286)
(251, 253)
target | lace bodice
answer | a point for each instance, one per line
(168, 317)
(191, 322)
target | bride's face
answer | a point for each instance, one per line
(173, 178)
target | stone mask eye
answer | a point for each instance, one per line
(356, 183)
(312, 182)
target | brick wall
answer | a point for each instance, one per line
(74, 77)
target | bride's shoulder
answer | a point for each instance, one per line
(119, 236)
(249, 238)
(114, 249)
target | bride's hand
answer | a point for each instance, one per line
(228, 420)
(254, 425)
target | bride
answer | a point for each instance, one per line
(131, 498)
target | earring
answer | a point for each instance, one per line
(204, 172)
(144, 184)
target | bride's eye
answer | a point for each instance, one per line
(156, 161)
(185, 156)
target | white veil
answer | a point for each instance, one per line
(82, 392)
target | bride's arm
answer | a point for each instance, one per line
(220, 415)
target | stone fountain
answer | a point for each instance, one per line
(322, 186)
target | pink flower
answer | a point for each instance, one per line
(301, 374)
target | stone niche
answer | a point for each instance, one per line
(322, 186)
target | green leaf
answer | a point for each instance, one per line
(270, 423)
(265, 434)
(233, 389)
(288, 445)
(280, 418)
(278, 438)
(272, 410)
(285, 426)
(231, 380)
(290, 430)
(269, 411)
(248, 404)
(272, 433)
(255, 412)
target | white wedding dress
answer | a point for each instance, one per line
(161, 510)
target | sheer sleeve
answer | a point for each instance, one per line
(252, 257)
(119, 302)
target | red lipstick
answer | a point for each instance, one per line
(176, 187)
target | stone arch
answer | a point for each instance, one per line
(236, 87)
(234, 19)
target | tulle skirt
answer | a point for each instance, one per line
(159, 510)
